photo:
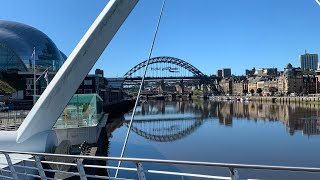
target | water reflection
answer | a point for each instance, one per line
(230, 132)
(172, 120)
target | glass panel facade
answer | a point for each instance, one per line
(22, 39)
(9, 60)
(83, 110)
(87, 82)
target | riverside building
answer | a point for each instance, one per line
(25, 51)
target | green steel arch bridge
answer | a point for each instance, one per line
(170, 68)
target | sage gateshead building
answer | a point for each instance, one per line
(17, 42)
(23, 50)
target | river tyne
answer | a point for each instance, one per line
(226, 132)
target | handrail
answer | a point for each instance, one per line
(213, 164)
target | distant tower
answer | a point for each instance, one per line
(308, 61)
(226, 72)
(99, 73)
(219, 73)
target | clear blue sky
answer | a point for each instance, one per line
(209, 34)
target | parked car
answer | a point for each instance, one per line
(293, 94)
(3, 107)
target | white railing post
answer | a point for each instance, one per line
(13, 171)
(81, 169)
(140, 171)
(40, 168)
(17, 170)
(234, 174)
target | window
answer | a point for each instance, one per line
(87, 91)
(31, 92)
(29, 81)
(87, 82)
(79, 91)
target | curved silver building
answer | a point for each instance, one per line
(17, 42)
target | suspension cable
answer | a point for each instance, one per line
(142, 83)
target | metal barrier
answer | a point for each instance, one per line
(11, 120)
(22, 165)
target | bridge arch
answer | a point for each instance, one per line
(153, 133)
(175, 61)
(166, 59)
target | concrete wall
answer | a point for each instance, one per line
(285, 99)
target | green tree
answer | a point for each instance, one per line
(308, 72)
(273, 90)
(252, 91)
(197, 92)
(5, 88)
(259, 90)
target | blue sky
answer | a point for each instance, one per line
(209, 34)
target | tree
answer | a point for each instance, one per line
(308, 72)
(244, 91)
(304, 92)
(273, 90)
(197, 92)
(252, 91)
(259, 90)
(5, 88)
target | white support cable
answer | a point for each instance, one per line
(142, 82)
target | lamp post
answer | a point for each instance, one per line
(34, 75)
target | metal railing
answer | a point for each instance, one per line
(11, 120)
(25, 165)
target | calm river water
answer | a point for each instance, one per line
(230, 132)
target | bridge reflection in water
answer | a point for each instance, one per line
(229, 132)
(164, 121)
